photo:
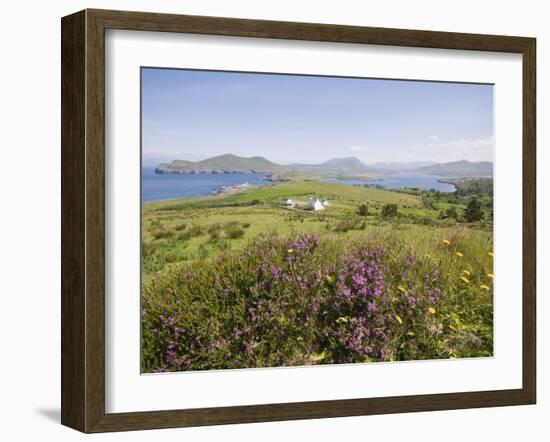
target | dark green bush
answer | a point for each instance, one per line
(389, 210)
(162, 233)
(363, 210)
(234, 232)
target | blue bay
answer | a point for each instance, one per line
(156, 187)
(401, 181)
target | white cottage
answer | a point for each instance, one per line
(316, 204)
(288, 202)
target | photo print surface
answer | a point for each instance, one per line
(296, 220)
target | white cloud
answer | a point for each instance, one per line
(358, 148)
(434, 137)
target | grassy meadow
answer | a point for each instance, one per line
(241, 281)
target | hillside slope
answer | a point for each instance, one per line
(460, 169)
(227, 163)
(230, 163)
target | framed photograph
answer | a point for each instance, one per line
(267, 220)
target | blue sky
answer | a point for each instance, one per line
(286, 118)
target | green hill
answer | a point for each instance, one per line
(462, 169)
(234, 162)
(336, 166)
(229, 163)
(347, 164)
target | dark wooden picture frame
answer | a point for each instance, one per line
(83, 220)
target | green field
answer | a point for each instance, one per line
(176, 231)
(230, 233)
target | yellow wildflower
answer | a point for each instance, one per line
(466, 280)
(491, 254)
(446, 242)
(466, 272)
(490, 276)
(399, 319)
(290, 250)
(431, 310)
(319, 357)
(484, 287)
(460, 255)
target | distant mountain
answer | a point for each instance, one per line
(398, 166)
(340, 167)
(346, 164)
(460, 169)
(336, 166)
(230, 163)
(227, 163)
(234, 162)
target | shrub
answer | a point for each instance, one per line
(147, 248)
(191, 232)
(184, 236)
(389, 210)
(363, 210)
(214, 229)
(195, 231)
(155, 255)
(473, 211)
(181, 227)
(162, 233)
(231, 225)
(171, 256)
(234, 232)
(350, 224)
(449, 213)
